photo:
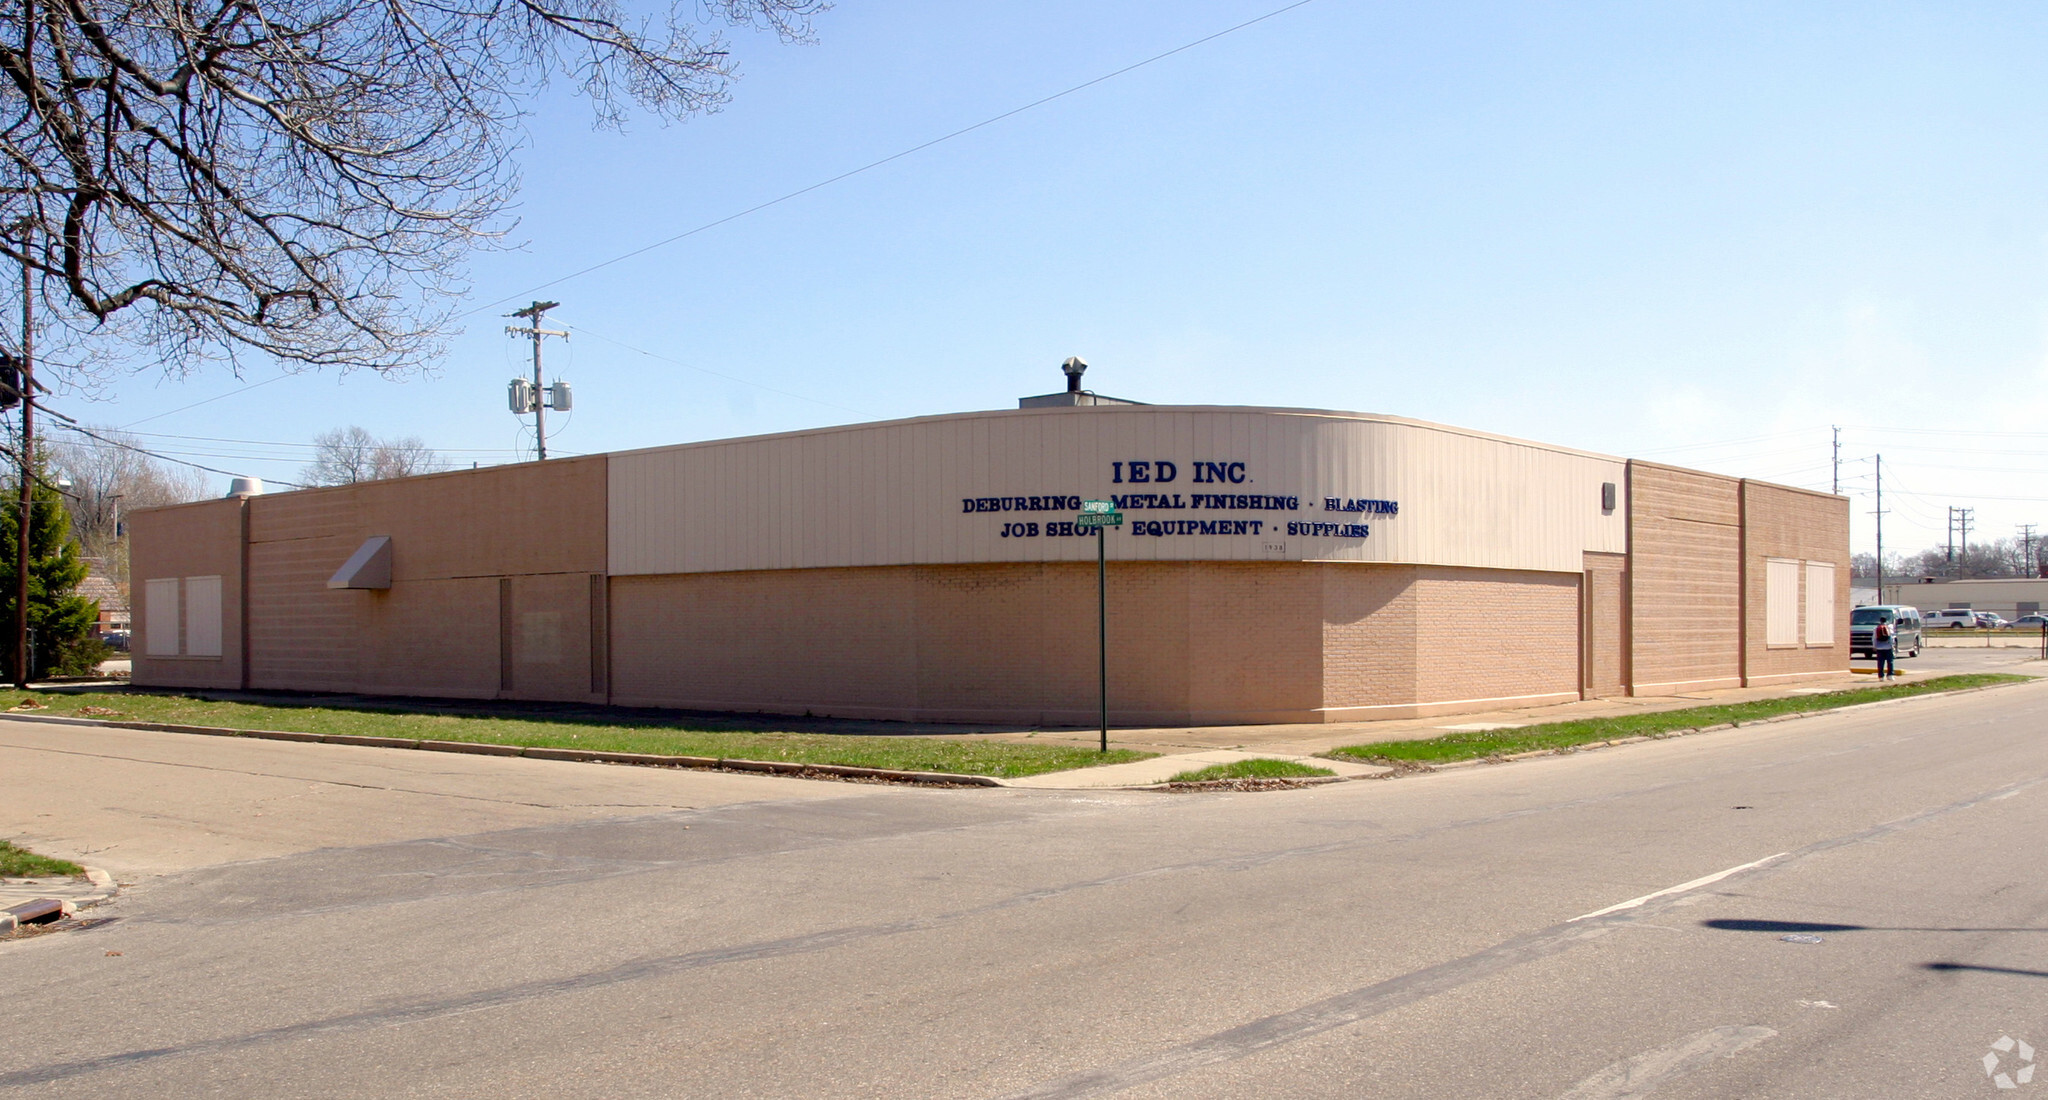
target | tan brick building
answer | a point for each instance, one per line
(1275, 565)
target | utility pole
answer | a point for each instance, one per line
(1880, 529)
(1951, 567)
(28, 436)
(1838, 460)
(2027, 568)
(532, 314)
(1963, 516)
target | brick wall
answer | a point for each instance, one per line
(1402, 641)
(1190, 642)
(1490, 635)
(1369, 630)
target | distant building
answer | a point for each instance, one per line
(2008, 597)
(113, 600)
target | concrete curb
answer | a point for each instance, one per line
(45, 909)
(1683, 731)
(596, 756)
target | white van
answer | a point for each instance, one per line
(1904, 621)
(1950, 618)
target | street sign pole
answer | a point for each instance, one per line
(1101, 515)
(1102, 629)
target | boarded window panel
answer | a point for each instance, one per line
(202, 616)
(1781, 602)
(1820, 603)
(160, 608)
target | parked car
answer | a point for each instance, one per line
(2029, 622)
(1950, 618)
(1988, 621)
(116, 639)
(1904, 621)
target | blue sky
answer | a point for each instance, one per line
(1699, 233)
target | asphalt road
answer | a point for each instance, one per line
(740, 936)
(1945, 660)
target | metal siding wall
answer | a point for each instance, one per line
(890, 494)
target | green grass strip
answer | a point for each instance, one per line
(1479, 744)
(22, 863)
(667, 737)
(1251, 769)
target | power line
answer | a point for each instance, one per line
(871, 165)
(798, 193)
(166, 458)
(712, 373)
(306, 446)
(211, 400)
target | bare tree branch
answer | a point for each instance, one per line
(202, 179)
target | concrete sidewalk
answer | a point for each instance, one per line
(1144, 773)
(1300, 741)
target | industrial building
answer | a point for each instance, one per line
(1275, 565)
(2007, 597)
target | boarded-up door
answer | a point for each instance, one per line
(550, 637)
(1603, 626)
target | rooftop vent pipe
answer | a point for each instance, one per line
(1074, 366)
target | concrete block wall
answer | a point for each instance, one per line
(1782, 522)
(1685, 580)
(1698, 548)
(202, 539)
(491, 592)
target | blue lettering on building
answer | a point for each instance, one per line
(1154, 471)
(1347, 504)
(1061, 503)
(1331, 530)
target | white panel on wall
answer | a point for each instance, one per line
(202, 616)
(1820, 603)
(1001, 486)
(160, 613)
(1781, 602)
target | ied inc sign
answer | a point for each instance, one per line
(1205, 511)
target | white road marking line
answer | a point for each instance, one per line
(1640, 1075)
(1678, 889)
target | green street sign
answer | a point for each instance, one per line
(1099, 519)
(1093, 507)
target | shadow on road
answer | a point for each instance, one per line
(1729, 925)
